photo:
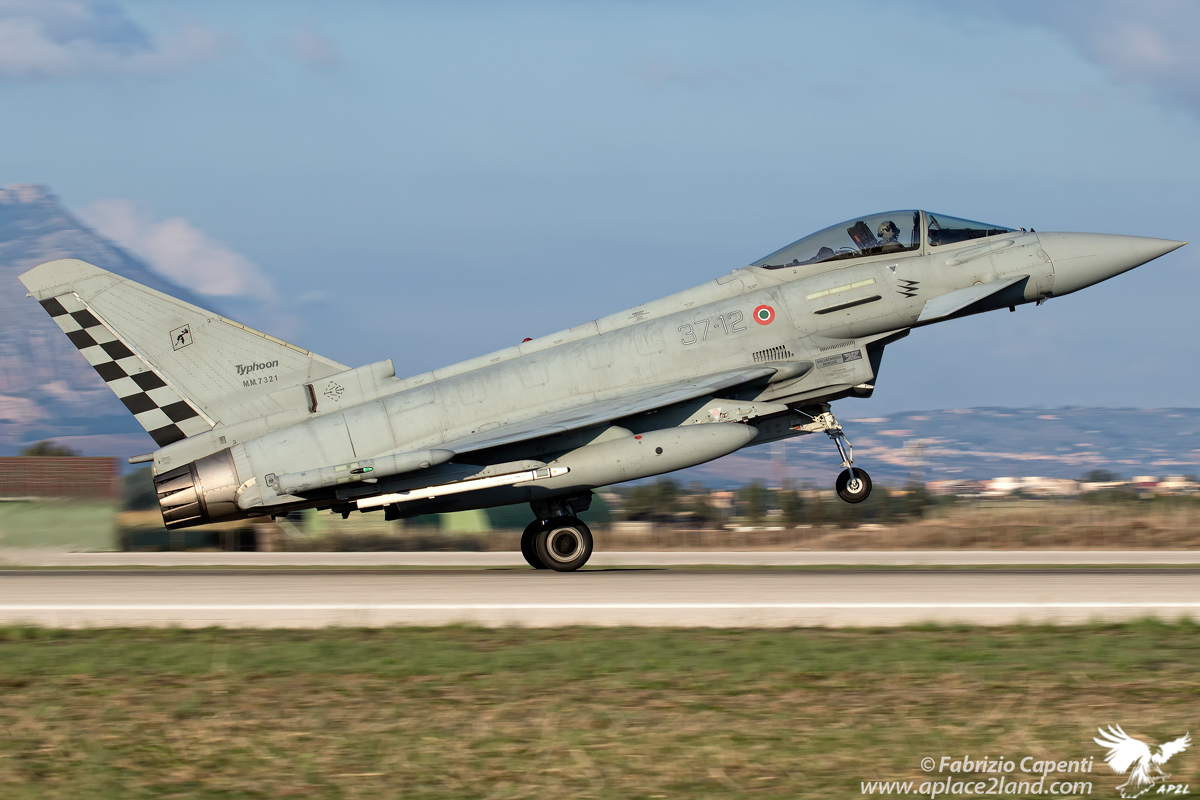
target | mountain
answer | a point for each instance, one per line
(979, 443)
(47, 391)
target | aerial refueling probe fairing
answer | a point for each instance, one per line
(249, 425)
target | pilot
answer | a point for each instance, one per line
(889, 237)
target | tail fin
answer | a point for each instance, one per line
(179, 369)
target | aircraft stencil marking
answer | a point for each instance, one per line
(548, 421)
(841, 358)
(181, 337)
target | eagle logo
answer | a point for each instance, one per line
(1141, 760)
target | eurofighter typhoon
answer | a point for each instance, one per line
(248, 425)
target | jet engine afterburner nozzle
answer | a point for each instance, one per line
(198, 493)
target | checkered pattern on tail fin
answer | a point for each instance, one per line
(157, 407)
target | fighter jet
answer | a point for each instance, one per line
(248, 425)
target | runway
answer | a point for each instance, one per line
(28, 557)
(638, 597)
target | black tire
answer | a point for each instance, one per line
(565, 544)
(529, 544)
(856, 491)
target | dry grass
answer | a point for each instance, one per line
(1014, 525)
(1021, 525)
(568, 713)
(1163, 523)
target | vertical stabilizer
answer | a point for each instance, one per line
(179, 369)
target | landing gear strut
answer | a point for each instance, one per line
(563, 544)
(853, 485)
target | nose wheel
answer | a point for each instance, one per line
(853, 485)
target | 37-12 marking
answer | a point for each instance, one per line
(728, 322)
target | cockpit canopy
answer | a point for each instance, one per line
(877, 234)
(950, 230)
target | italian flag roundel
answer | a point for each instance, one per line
(764, 315)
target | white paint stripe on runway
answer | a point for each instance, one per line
(580, 606)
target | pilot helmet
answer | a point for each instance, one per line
(888, 230)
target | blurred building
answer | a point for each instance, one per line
(59, 501)
(723, 501)
(1033, 485)
(1177, 484)
(1148, 485)
(59, 478)
(956, 488)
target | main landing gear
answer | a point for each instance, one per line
(853, 485)
(563, 544)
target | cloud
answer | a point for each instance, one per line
(312, 48)
(178, 250)
(72, 38)
(1151, 43)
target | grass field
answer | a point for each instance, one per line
(76, 526)
(512, 713)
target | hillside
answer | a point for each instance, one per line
(977, 443)
(46, 389)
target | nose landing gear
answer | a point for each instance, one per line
(853, 485)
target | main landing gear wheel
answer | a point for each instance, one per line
(529, 545)
(564, 544)
(854, 487)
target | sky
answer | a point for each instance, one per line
(428, 182)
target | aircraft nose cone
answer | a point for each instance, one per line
(1083, 259)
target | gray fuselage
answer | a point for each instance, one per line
(821, 327)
